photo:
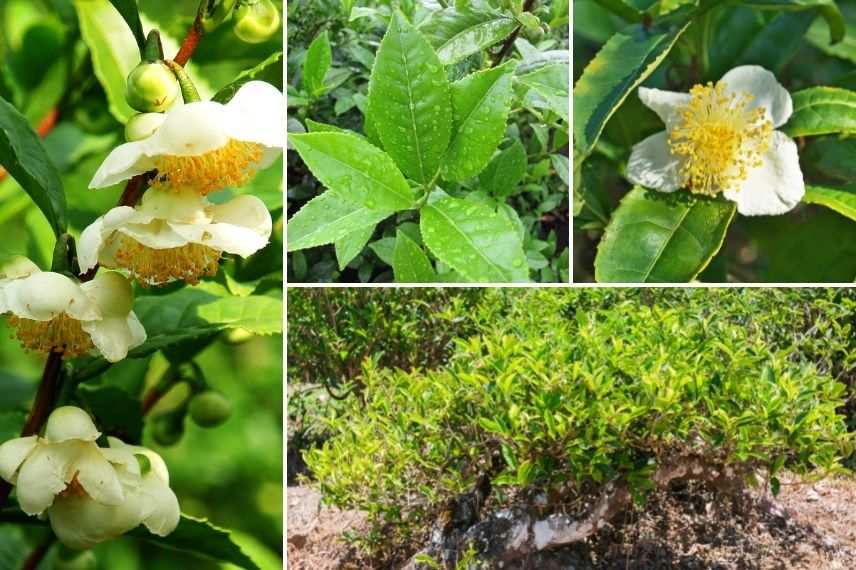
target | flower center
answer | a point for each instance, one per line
(74, 489)
(230, 165)
(719, 139)
(156, 266)
(60, 334)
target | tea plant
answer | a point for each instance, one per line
(460, 172)
(710, 141)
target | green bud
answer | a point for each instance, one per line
(215, 12)
(143, 126)
(256, 21)
(151, 87)
(210, 409)
(168, 428)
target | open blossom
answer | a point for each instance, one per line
(52, 312)
(90, 494)
(174, 235)
(205, 145)
(720, 139)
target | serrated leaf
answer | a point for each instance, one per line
(410, 101)
(656, 238)
(480, 104)
(129, 12)
(24, 156)
(551, 82)
(624, 62)
(200, 538)
(349, 246)
(822, 110)
(354, 169)
(409, 262)
(842, 200)
(316, 64)
(505, 171)
(458, 34)
(475, 241)
(827, 8)
(326, 219)
(271, 63)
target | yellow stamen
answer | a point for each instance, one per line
(231, 165)
(719, 139)
(60, 334)
(156, 266)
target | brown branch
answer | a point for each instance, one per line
(191, 40)
(509, 41)
(38, 555)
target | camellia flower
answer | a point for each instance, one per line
(720, 139)
(90, 494)
(53, 313)
(174, 235)
(205, 145)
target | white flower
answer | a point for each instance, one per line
(721, 139)
(90, 494)
(52, 312)
(174, 235)
(205, 145)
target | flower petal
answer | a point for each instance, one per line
(12, 455)
(125, 161)
(653, 165)
(667, 104)
(163, 512)
(774, 188)
(766, 91)
(115, 336)
(44, 475)
(81, 523)
(257, 110)
(192, 129)
(17, 267)
(97, 476)
(70, 422)
(44, 295)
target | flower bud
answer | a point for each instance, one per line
(143, 126)
(256, 21)
(210, 409)
(151, 87)
(216, 13)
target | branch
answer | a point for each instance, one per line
(509, 41)
(38, 554)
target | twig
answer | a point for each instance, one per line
(38, 554)
(509, 41)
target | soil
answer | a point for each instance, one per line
(809, 526)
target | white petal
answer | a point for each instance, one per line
(43, 476)
(44, 295)
(12, 455)
(667, 104)
(766, 91)
(653, 165)
(125, 161)
(81, 523)
(89, 245)
(257, 110)
(115, 336)
(163, 515)
(70, 422)
(774, 188)
(155, 235)
(181, 206)
(95, 238)
(192, 129)
(97, 476)
(18, 266)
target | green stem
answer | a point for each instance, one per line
(188, 89)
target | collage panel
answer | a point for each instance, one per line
(428, 141)
(141, 284)
(571, 428)
(712, 142)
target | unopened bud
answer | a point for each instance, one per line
(151, 87)
(143, 126)
(256, 21)
(210, 409)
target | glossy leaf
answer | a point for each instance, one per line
(475, 241)
(354, 169)
(624, 62)
(317, 63)
(827, 8)
(24, 156)
(458, 34)
(842, 200)
(129, 12)
(409, 262)
(116, 412)
(273, 64)
(349, 246)
(480, 103)
(551, 82)
(656, 238)
(505, 171)
(821, 111)
(326, 219)
(410, 101)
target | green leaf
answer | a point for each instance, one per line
(774, 45)
(354, 169)
(326, 219)
(821, 111)
(656, 238)
(384, 248)
(11, 424)
(270, 64)
(24, 156)
(480, 103)
(128, 10)
(551, 82)
(409, 262)
(624, 62)
(316, 64)
(200, 538)
(842, 200)
(458, 34)
(475, 241)
(349, 246)
(410, 102)
(116, 412)
(827, 8)
(505, 171)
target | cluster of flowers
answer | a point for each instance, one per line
(92, 493)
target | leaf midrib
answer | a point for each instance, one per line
(467, 239)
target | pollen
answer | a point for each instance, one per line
(719, 138)
(60, 334)
(231, 165)
(151, 266)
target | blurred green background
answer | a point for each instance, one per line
(56, 56)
